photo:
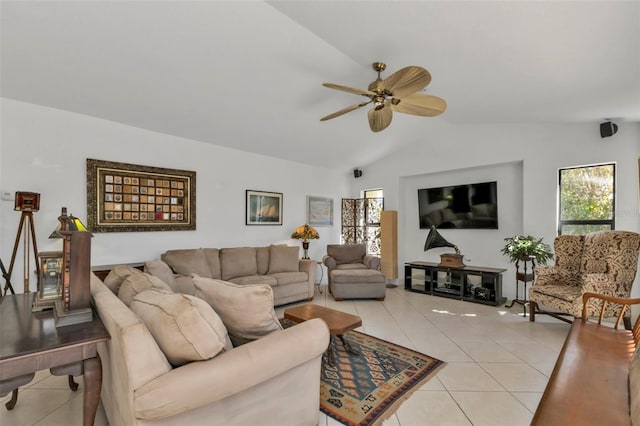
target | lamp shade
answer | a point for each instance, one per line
(67, 223)
(305, 233)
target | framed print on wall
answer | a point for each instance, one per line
(125, 197)
(263, 208)
(319, 211)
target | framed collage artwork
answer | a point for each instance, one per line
(125, 197)
(263, 208)
(319, 211)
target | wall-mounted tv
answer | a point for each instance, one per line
(472, 206)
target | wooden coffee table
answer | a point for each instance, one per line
(337, 321)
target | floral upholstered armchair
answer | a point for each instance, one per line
(602, 262)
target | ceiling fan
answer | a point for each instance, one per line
(398, 92)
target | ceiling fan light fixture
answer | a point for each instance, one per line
(390, 92)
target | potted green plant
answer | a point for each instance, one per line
(522, 247)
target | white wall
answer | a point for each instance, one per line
(44, 150)
(524, 159)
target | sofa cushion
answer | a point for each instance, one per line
(284, 278)
(283, 259)
(187, 261)
(117, 275)
(353, 276)
(184, 285)
(186, 328)
(246, 310)
(346, 266)
(262, 258)
(158, 268)
(255, 279)
(213, 260)
(349, 253)
(137, 283)
(567, 293)
(237, 262)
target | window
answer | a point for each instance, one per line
(373, 193)
(587, 199)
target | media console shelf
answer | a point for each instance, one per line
(477, 284)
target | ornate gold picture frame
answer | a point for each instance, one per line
(125, 197)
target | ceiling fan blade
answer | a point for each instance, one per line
(406, 81)
(420, 104)
(379, 119)
(349, 89)
(344, 111)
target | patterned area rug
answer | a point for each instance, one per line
(367, 389)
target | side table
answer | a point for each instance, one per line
(525, 276)
(319, 282)
(30, 341)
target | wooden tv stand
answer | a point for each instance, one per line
(477, 284)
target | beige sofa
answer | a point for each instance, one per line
(291, 278)
(274, 380)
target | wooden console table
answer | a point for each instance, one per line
(479, 284)
(30, 341)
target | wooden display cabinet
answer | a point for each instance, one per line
(49, 280)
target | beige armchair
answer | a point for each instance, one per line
(602, 262)
(353, 274)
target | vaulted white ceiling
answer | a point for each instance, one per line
(248, 75)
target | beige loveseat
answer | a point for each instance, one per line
(292, 279)
(274, 380)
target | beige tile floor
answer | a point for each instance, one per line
(498, 364)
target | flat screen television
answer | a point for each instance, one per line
(472, 206)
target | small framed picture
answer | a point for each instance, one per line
(319, 211)
(263, 208)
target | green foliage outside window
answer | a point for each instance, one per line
(587, 199)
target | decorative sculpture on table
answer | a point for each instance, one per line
(74, 306)
(305, 233)
(450, 260)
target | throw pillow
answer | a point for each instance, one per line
(117, 275)
(237, 262)
(159, 269)
(246, 310)
(137, 283)
(184, 285)
(186, 328)
(347, 253)
(283, 259)
(187, 261)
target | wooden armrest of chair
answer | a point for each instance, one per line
(626, 303)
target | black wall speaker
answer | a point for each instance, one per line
(357, 173)
(608, 128)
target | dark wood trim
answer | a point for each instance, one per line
(102, 271)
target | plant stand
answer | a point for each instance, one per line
(526, 277)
